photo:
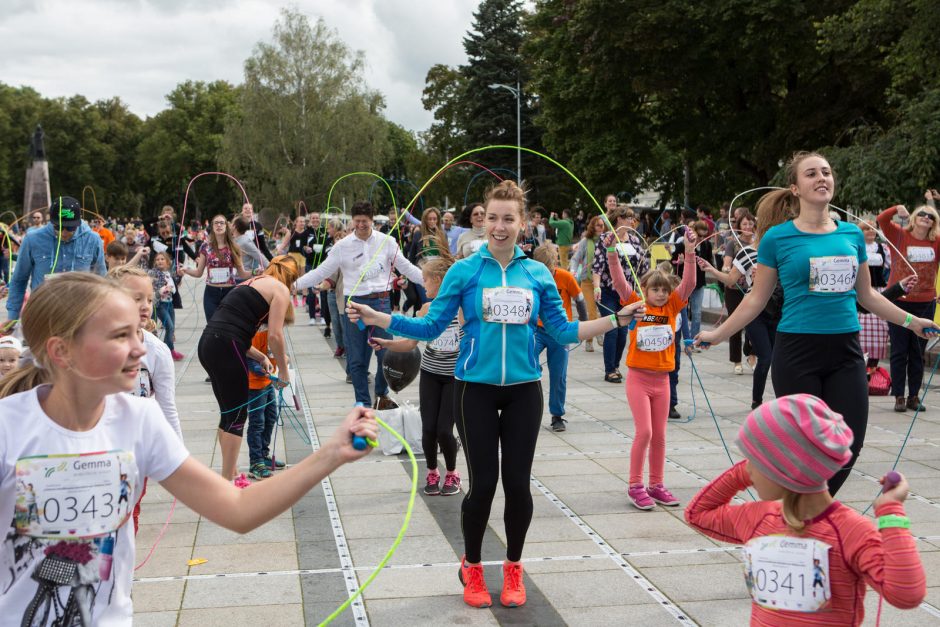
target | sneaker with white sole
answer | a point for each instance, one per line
(432, 486)
(451, 484)
(639, 497)
(661, 495)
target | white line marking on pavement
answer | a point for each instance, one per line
(342, 547)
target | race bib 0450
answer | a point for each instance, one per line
(654, 338)
(507, 305)
(787, 573)
(74, 496)
(832, 274)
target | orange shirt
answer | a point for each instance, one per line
(260, 341)
(660, 330)
(105, 234)
(568, 289)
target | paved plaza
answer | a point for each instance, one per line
(590, 558)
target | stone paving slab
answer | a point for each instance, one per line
(570, 577)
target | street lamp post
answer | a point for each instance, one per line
(517, 92)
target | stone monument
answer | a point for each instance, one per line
(36, 193)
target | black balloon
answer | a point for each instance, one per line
(400, 369)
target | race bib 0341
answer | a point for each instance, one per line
(787, 573)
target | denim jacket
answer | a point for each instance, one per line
(84, 252)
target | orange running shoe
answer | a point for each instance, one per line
(475, 593)
(513, 589)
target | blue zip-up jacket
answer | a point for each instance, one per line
(84, 252)
(492, 352)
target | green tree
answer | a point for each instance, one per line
(305, 117)
(185, 140)
(727, 88)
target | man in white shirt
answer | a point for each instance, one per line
(366, 261)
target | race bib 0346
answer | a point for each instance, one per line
(829, 275)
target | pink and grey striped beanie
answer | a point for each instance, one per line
(796, 441)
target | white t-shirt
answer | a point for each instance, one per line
(131, 430)
(156, 379)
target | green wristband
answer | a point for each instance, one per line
(890, 520)
(907, 320)
(613, 320)
(611, 249)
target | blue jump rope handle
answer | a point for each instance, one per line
(359, 443)
(632, 325)
(891, 479)
(362, 327)
(691, 342)
(931, 331)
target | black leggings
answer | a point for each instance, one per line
(733, 298)
(761, 330)
(436, 392)
(224, 360)
(831, 367)
(490, 417)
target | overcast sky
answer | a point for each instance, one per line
(140, 50)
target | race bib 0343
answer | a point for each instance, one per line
(74, 496)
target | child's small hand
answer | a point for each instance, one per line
(896, 494)
(908, 282)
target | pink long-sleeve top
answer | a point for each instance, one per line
(886, 560)
(663, 360)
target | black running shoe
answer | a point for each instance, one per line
(558, 424)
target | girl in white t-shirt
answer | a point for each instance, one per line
(70, 450)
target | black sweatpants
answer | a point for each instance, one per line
(436, 393)
(490, 417)
(831, 367)
(224, 360)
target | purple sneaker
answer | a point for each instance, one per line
(661, 495)
(640, 499)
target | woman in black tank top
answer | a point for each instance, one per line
(225, 347)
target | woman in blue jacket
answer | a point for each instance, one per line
(498, 397)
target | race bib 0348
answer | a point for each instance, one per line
(507, 305)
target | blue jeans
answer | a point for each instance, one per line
(695, 310)
(359, 353)
(336, 322)
(616, 339)
(262, 417)
(164, 313)
(211, 299)
(557, 369)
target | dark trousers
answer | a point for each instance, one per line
(490, 418)
(830, 367)
(211, 299)
(907, 351)
(762, 330)
(733, 298)
(436, 392)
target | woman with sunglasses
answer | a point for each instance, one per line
(919, 244)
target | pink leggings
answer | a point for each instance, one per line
(648, 396)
